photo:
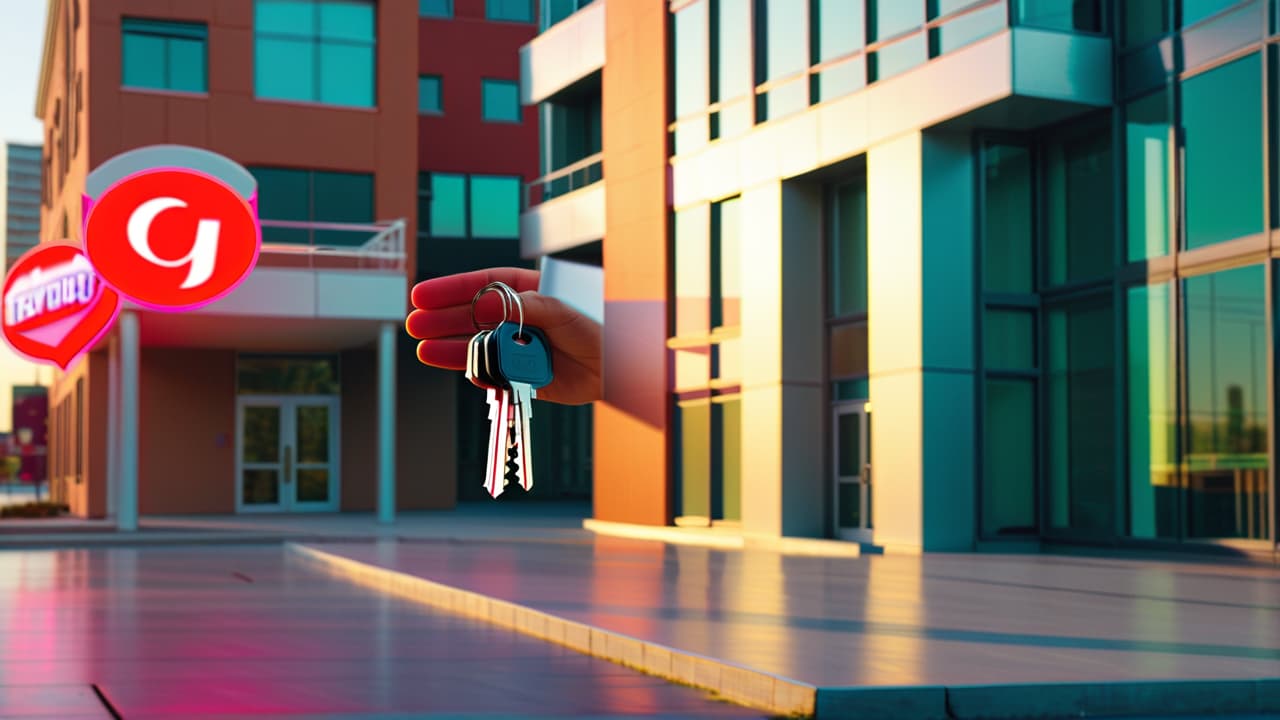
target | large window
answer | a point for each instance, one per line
(847, 290)
(1153, 414)
(509, 10)
(1148, 131)
(430, 100)
(1067, 15)
(477, 206)
(726, 263)
(1079, 202)
(1007, 231)
(287, 375)
(732, 83)
(553, 11)
(165, 55)
(839, 30)
(500, 100)
(314, 196)
(1222, 119)
(783, 37)
(435, 8)
(321, 51)
(888, 19)
(692, 90)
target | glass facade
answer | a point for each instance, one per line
(313, 196)
(319, 51)
(164, 55)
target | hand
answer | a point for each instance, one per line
(441, 319)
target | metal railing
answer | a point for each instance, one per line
(320, 245)
(587, 171)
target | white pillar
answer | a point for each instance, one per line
(387, 424)
(127, 503)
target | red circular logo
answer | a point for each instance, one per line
(172, 239)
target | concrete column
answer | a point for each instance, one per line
(921, 315)
(387, 423)
(113, 425)
(130, 361)
(782, 391)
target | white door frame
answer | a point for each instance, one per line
(862, 479)
(288, 485)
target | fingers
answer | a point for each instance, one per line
(449, 353)
(451, 290)
(540, 311)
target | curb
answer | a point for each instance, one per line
(731, 682)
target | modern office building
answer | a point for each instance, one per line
(1036, 237)
(299, 391)
(20, 167)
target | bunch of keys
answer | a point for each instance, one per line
(510, 363)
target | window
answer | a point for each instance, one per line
(164, 55)
(509, 10)
(1066, 15)
(726, 255)
(429, 100)
(556, 10)
(1007, 224)
(784, 37)
(320, 51)
(692, 72)
(1147, 131)
(1079, 202)
(1008, 458)
(314, 196)
(1145, 21)
(448, 205)
(1193, 11)
(733, 69)
(1153, 415)
(500, 100)
(495, 206)
(887, 19)
(435, 8)
(838, 31)
(79, 431)
(287, 374)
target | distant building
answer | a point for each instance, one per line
(30, 435)
(20, 201)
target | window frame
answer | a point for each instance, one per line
(439, 92)
(167, 31)
(317, 42)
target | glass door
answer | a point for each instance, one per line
(851, 470)
(287, 457)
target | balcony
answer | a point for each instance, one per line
(333, 246)
(566, 209)
(564, 54)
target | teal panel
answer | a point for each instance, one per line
(495, 207)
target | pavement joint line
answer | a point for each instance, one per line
(745, 686)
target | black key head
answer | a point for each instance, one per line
(523, 357)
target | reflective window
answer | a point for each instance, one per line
(693, 457)
(1078, 202)
(1147, 135)
(435, 8)
(448, 205)
(726, 424)
(733, 69)
(1007, 229)
(847, 262)
(1193, 11)
(1222, 119)
(429, 99)
(1008, 458)
(1081, 416)
(320, 51)
(314, 196)
(1078, 15)
(164, 55)
(693, 271)
(556, 10)
(839, 29)
(726, 261)
(1153, 415)
(495, 206)
(887, 19)
(692, 68)
(1145, 21)
(1226, 365)
(509, 10)
(786, 52)
(970, 27)
(287, 375)
(500, 100)
(1008, 340)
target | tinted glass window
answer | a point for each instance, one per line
(448, 205)
(495, 207)
(435, 8)
(164, 55)
(429, 100)
(1147, 133)
(315, 51)
(1153, 415)
(1006, 221)
(501, 100)
(509, 10)
(1079, 196)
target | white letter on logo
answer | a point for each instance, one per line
(202, 254)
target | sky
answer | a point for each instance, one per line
(21, 36)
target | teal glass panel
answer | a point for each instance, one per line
(1008, 464)
(1079, 202)
(495, 207)
(435, 8)
(691, 60)
(1066, 15)
(897, 58)
(347, 74)
(1145, 21)
(694, 457)
(342, 198)
(509, 10)
(1081, 416)
(1147, 136)
(284, 69)
(429, 97)
(1007, 231)
(1193, 11)
(144, 61)
(186, 64)
(500, 100)
(967, 29)
(448, 206)
(285, 17)
(890, 18)
(287, 375)
(283, 195)
(1008, 340)
(1222, 119)
(848, 247)
(351, 20)
(1226, 387)
(855, 389)
(1153, 415)
(840, 28)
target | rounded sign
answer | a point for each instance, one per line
(55, 305)
(172, 239)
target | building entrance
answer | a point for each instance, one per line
(287, 453)
(851, 469)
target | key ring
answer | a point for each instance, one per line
(507, 294)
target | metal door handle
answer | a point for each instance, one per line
(288, 463)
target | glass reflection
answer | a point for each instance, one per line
(1147, 132)
(1153, 420)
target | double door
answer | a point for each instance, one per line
(851, 470)
(287, 453)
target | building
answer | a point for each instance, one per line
(30, 436)
(1036, 237)
(20, 166)
(299, 391)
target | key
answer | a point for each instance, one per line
(524, 364)
(497, 399)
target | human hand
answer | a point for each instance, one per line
(442, 320)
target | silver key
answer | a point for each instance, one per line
(525, 365)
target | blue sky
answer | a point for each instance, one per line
(21, 36)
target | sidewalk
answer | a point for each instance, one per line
(928, 636)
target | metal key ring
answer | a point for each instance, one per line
(507, 294)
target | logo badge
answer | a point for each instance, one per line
(172, 239)
(55, 305)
